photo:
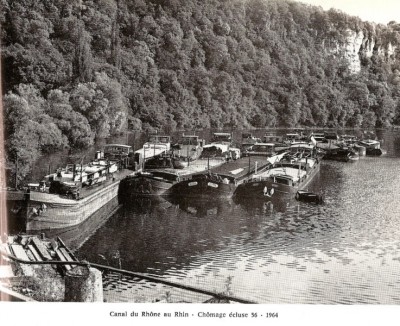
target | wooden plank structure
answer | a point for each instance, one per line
(35, 253)
(41, 248)
(62, 257)
(32, 248)
(20, 253)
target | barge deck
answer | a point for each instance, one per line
(221, 181)
(52, 211)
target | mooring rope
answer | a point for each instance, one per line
(133, 274)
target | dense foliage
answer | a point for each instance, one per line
(75, 70)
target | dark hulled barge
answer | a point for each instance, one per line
(223, 180)
(160, 180)
(293, 172)
(160, 173)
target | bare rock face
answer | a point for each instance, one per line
(352, 50)
(360, 45)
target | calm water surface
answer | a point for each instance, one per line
(346, 251)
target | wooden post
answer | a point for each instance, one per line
(144, 156)
(16, 173)
(83, 284)
(188, 151)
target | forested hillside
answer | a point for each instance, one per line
(75, 70)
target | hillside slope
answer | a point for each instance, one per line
(77, 70)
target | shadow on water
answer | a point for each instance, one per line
(75, 236)
(202, 207)
(274, 204)
(155, 234)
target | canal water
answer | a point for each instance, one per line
(346, 251)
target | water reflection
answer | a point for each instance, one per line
(202, 207)
(75, 236)
(279, 251)
(266, 205)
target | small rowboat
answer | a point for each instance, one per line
(309, 197)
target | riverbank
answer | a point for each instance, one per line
(34, 268)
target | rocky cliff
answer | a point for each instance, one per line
(361, 45)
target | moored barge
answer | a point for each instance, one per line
(74, 193)
(159, 180)
(372, 146)
(155, 179)
(189, 147)
(155, 146)
(223, 180)
(293, 172)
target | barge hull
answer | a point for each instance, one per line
(203, 187)
(220, 181)
(62, 213)
(142, 186)
(256, 188)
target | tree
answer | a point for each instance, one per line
(117, 109)
(28, 129)
(73, 124)
(91, 102)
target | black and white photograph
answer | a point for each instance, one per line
(232, 159)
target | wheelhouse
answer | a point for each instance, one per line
(190, 140)
(272, 138)
(117, 150)
(348, 138)
(223, 137)
(261, 149)
(159, 139)
(370, 143)
(331, 135)
(292, 137)
(319, 137)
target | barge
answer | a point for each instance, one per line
(223, 180)
(266, 149)
(160, 175)
(293, 172)
(372, 146)
(248, 140)
(341, 154)
(189, 148)
(72, 194)
(154, 147)
(159, 180)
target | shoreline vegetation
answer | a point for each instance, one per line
(78, 71)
